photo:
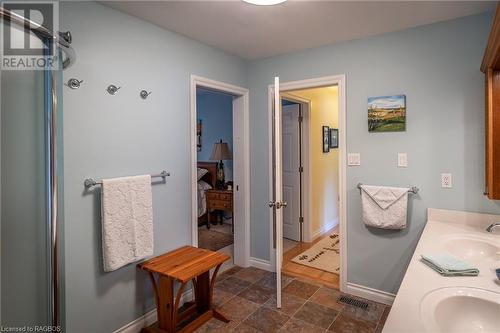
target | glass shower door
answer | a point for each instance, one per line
(25, 115)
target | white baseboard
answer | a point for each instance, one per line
(150, 317)
(262, 264)
(370, 293)
(325, 228)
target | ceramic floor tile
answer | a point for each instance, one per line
(347, 324)
(221, 297)
(269, 281)
(316, 314)
(238, 308)
(251, 274)
(244, 328)
(300, 326)
(289, 303)
(266, 320)
(327, 297)
(300, 289)
(257, 294)
(215, 325)
(372, 314)
(232, 285)
(227, 273)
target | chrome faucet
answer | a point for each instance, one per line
(492, 226)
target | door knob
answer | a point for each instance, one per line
(281, 204)
(278, 205)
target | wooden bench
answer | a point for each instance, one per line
(183, 265)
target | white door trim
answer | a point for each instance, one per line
(340, 81)
(241, 240)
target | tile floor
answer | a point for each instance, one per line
(247, 297)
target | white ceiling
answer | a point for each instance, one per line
(253, 32)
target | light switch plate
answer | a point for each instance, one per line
(446, 180)
(402, 160)
(354, 159)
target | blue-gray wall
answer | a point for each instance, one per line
(109, 136)
(215, 110)
(437, 67)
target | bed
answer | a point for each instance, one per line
(205, 182)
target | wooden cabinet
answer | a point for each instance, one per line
(491, 68)
(221, 200)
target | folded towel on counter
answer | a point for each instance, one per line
(448, 265)
(384, 207)
(127, 220)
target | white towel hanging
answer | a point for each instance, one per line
(127, 220)
(384, 207)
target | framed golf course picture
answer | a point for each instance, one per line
(387, 113)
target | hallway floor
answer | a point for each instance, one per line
(307, 273)
(247, 297)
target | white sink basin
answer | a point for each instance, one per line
(461, 309)
(471, 247)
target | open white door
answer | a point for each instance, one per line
(277, 204)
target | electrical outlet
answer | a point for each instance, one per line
(446, 181)
(402, 160)
(354, 159)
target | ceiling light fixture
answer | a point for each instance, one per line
(264, 2)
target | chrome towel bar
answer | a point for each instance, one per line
(90, 182)
(412, 189)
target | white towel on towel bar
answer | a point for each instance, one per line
(384, 207)
(127, 220)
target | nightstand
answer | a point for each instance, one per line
(221, 200)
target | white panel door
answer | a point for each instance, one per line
(277, 203)
(291, 163)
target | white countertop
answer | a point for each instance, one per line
(420, 279)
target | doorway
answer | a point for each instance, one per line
(315, 255)
(221, 197)
(323, 211)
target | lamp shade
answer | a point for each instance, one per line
(221, 152)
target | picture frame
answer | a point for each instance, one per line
(326, 139)
(199, 127)
(334, 137)
(387, 114)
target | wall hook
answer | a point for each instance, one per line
(74, 83)
(144, 94)
(112, 89)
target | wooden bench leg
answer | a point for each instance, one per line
(175, 311)
(216, 313)
(212, 285)
(166, 304)
(202, 292)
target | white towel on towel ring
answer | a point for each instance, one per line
(127, 220)
(384, 207)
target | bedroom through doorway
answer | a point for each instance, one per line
(220, 177)
(214, 146)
